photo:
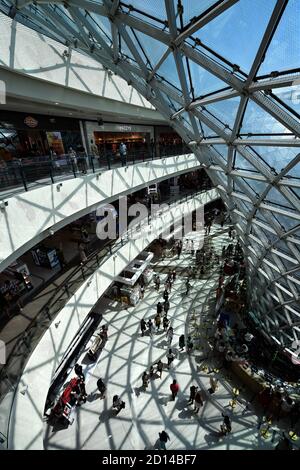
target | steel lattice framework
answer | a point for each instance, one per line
(240, 117)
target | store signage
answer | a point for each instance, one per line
(124, 128)
(30, 121)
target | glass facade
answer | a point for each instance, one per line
(226, 76)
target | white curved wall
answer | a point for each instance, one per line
(28, 216)
(26, 422)
(24, 50)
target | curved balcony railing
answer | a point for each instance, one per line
(26, 343)
(27, 173)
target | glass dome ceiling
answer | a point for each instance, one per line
(226, 75)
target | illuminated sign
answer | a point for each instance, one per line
(124, 128)
(30, 121)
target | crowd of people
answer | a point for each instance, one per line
(230, 342)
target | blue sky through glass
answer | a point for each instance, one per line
(236, 34)
(203, 81)
(225, 110)
(284, 50)
(257, 121)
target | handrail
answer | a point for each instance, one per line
(28, 173)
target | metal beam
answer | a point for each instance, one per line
(267, 37)
(204, 19)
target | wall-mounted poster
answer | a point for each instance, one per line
(55, 141)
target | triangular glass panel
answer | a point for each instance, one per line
(222, 151)
(237, 33)
(271, 237)
(203, 81)
(174, 105)
(125, 49)
(289, 95)
(102, 22)
(277, 157)
(258, 121)
(296, 192)
(155, 8)
(257, 186)
(295, 171)
(207, 131)
(275, 197)
(152, 49)
(246, 206)
(193, 9)
(285, 221)
(168, 71)
(242, 163)
(224, 110)
(284, 50)
(185, 118)
(261, 216)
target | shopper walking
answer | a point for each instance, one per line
(143, 326)
(174, 387)
(226, 426)
(118, 404)
(187, 286)
(170, 334)
(189, 345)
(79, 371)
(163, 439)
(142, 292)
(181, 342)
(174, 275)
(166, 306)
(151, 372)
(165, 322)
(82, 253)
(166, 295)
(198, 401)
(170, 357)
(157, 320)
(157, 282)
(123, 153)
(145, 380)
(101, 387)
(193, 391)
(160, 367)
(159, 308)
(168, 286)
(150, 327)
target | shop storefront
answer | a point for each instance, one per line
(33, 135)
(109, 136)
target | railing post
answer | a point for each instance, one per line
(108, 160)
(92, 163)
(82, 270)
(73, 168)
(23, 178)
(51, 173)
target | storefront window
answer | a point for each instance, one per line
(110, 141)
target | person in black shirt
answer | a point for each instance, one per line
(101, 387)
